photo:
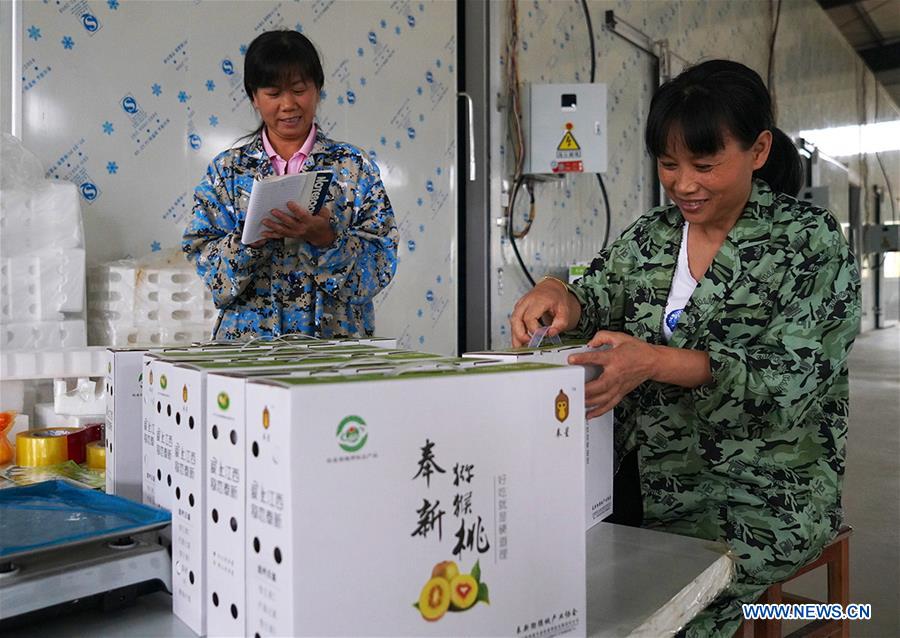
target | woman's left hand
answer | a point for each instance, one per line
(300, 224)
(626, 365)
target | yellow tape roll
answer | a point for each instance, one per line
(38, 448)
(96, 455)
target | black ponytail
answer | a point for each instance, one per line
(783, 171)
(713, 97)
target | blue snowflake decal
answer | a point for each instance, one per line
(210, 85)
(360, 52)
(420, 312)
(340, 99)
(420, 201)
(383, 24)
(183, 97)
(34, 33)
(243, 49)
(298, 28)
(419, 90)
(213, 121)
(157, 89)
(112, 168)
(155, 247)
(383, 140)
(112, 4)
(397, 30)
(67, 42)
(362, 81)
(108, 127)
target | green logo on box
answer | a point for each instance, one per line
(352, 434)
(223, 401)
(163, 382)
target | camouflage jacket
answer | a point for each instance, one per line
(289, 285)
(756, 457)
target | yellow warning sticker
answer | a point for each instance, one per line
(568, 143)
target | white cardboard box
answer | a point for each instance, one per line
(124, 429)
(598, 451)
(363, 489)
(225, 468)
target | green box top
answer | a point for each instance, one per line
(308, 359)
(401, 374)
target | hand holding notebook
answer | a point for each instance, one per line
(307, 190)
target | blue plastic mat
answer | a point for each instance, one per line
(54, 514)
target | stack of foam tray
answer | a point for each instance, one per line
(42, 272)
(134, 304)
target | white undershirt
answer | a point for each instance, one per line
(683, 285)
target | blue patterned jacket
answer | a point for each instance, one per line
(289, 285)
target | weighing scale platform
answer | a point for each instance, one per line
(62, 545)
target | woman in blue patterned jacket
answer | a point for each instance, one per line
(313, 274)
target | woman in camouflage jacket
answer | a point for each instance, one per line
(738, 422)
(314, 274)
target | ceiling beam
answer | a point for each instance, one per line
(831, 4)
(877, 38)
(882, 58)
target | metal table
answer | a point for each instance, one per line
(639, 583)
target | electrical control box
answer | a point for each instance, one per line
(565, 128)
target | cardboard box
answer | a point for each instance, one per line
(599, 455)
(124, 417)
(225, 470)
(366, 488)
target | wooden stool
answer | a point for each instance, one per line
(836, 556)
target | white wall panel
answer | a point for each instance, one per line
(133, 101)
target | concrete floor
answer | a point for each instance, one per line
(871, 486)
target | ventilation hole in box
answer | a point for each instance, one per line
(215, 515)
(153, 315)
(215, 599)
(191, 422)
(191, 499)
(256, 545)
(234, 611)
(169, 480)
(153, 296)
(191, 577)
(255, 449)
(178, 493)
(233, 437)
(233, 524)
(155, 338)
(158, 475)
(181, 278)
(181, 315)
(178, 418)
(181, 297)
(215, 431)
(168, 409)
(278, 556)
(158, 407)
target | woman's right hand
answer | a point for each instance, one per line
(549, 299)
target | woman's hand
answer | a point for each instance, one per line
(625, 366)
(300, 224)
(549, 299)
